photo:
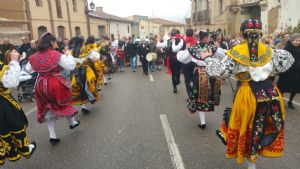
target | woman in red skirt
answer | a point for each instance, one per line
(52, 94)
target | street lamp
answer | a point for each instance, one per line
(87, 11)
(92, 5)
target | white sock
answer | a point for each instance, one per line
(251, 165)
(202, 117)
(71, 120)
(31, 147)
(104, 79)
(51, 128)
(83, 106)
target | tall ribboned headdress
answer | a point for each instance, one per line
(252, 29)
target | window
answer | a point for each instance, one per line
(77, 31)
(61, 31)
(101, 31)
(220, 7)
(58, 8)
(74, 2)
(39, 2)
(128, 29)
(41, 30)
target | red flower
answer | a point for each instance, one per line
(253, 50)
(257, 25)
(250, 25)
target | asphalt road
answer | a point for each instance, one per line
(126, 130)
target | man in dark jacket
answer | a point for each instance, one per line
(25, 46)
(143, 50)
(173, 46)
(130, 50)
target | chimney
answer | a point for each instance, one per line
(99, 9)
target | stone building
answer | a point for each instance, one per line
(224, 14)
(13, 21)
(115, 25)
(278, 15)
(144, 26)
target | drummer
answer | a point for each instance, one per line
(143, 50)
(153, 51)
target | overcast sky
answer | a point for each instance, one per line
(175, 10)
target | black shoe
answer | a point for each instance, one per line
(93, 101)
(175, 90)
(85, 111)
(105, 84)
(202, 126)
(54, 141)
(219, 134)
(74, 126)
(291, 106)
(109, 78)
(34, 148)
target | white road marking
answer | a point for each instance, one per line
(294, 102)
(151, 78)
(173, 149)
(31, 111)
(284, 98)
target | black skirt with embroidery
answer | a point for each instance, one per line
(13, 123)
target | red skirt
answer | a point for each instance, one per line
(52, 94)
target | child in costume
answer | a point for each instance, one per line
(52, 94)
(13, 122)
(87, 75)
(255, 124)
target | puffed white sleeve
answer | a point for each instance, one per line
(281, 61)
(67, 62)
(28, 68)
(220, 54)
(163, 44)
(221, 68)
(184, 56)
(11, 76)
(94, 55)
(178, 47)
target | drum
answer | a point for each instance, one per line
(151, 57)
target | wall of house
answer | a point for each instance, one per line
(120, 29)
(95, 23)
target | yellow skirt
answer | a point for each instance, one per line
(239, 131)
(99, 66)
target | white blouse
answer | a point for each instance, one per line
(11, 76)
(220, 65)
(67, 62)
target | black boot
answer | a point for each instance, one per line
(54, 141)
(219, 134)
(175, 90)
(290, 105)
(34, 147)
(85, 111)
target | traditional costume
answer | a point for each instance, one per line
(13, 122)
(52, 94)
(87, 75)
(205, 91)
(255, 124)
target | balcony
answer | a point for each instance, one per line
(245, 3)
(201, 17)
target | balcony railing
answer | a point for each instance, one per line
(201, 16)
(244, 2)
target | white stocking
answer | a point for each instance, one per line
(202, 117)
(51, 127)
(251, 165)
(83, 106)
(71, 120)
(104, 79)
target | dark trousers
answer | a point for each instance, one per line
(188, 70)
(175, 68)
(145, 65)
